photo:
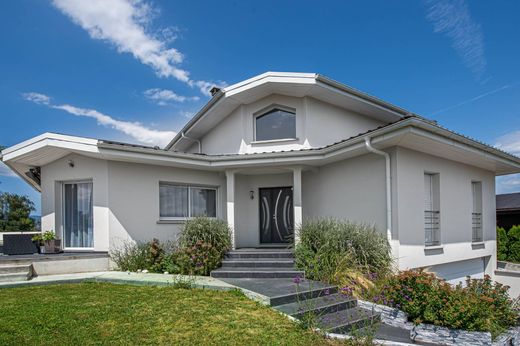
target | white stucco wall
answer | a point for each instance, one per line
(317, 124)
(85, 168)
(455, 211)
(134, 199)
(352, 189)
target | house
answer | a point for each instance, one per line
(508, 210)
(269, 152)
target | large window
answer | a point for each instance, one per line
(476, 215)
(183, 201)
(275, 124)
(78, 222)
(431, 210)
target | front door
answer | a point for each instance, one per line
(276, 215)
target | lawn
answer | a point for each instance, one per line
(99, 313)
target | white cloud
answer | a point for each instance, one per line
(164, 97)
(6, 171)
(37, 98)
(125, 23)
(509, 142)
(454, 19)
(508, 183)
(135, 130)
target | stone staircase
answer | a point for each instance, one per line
(270, 272)
(12, 272)
(258, 263)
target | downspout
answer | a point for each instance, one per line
(388, 187)
(194, 140)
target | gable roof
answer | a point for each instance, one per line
(314, 85)
(508, 201)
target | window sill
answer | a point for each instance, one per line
(434, 250)
(275, 141)
(178, 221)
(478, 245)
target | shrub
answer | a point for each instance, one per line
(514, 244)
(203, 243)
(480, 306)
(152, 256)
(201, 247)
(332, 250)
(502, 242)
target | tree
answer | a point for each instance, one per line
(14, 213)
(514, 244)
(502, 242)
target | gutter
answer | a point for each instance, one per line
(195, 118)
(370, 148)
(194, 140)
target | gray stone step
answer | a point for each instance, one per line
(349, 320)
(258, 254)
(10, 277)
(258, 263)
(245, 272)
(318, 306)
(303, 293)
(9, 269)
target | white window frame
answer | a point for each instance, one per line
(434, 214)
(476, 213)
(268, 109)
(62, 211)
(189, 186)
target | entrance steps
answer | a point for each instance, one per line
(271, 272)
(258, 263)
(10, 273)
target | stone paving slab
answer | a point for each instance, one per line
(123, 278)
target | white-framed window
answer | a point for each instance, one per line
(277, 123)
(432, 215)
(476, 213)
(180, 201)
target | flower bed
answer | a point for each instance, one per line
(479, 306)
(201, 248)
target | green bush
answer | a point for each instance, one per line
(328, 244)
(200, 249)
(480, 306)
(152, 256)
(203, 243)
(502, 243)
(514, 244)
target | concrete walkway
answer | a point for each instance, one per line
(123, 278)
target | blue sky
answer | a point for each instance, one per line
(136, 71)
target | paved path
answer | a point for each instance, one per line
(124, 278)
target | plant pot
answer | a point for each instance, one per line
(52, 246)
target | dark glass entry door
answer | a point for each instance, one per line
(276, 215)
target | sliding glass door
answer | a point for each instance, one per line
(78, 215)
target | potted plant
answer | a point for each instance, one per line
(50, 243)
(38, 241)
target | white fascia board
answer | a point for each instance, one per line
(72, 143)
(278, 76)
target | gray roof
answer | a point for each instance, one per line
(508, 201)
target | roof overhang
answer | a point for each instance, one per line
(282, 83)
(413, 133)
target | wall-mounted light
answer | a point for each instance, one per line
(70, 163)
(252, 194)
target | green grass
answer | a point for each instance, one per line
(99, 313)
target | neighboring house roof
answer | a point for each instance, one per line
(508, 201)
(285, 83)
